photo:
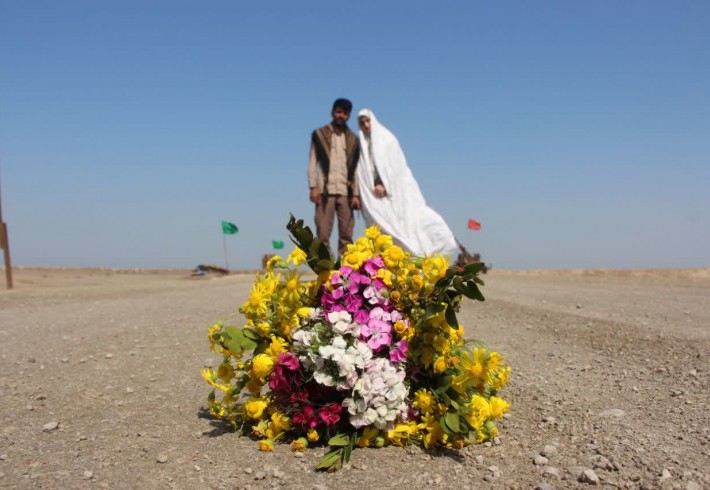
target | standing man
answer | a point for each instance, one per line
(335, 151)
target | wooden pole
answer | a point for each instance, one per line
(5, 245)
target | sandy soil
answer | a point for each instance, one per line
(100, 386)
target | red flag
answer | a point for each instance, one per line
(473, 224)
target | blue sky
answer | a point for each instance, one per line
(577, 133)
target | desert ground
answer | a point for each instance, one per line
(100, 386)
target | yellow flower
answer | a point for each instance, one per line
(313, 435)
(401, 432)
(393, 256)
(354, 259)
(440, 365)
(259, 430)
(256, 304)
(276, 347)
(427, 356)
(254, 408)
(216, 408)
(280, 422)
(480, 411)
(291, 292)
(386, 277)
(299, 444)
(498, 406)
(368, 436)
(225, 372)
(304, 311)
(262, 364)
(254, 386)
(273, 261)
(442, 345)
(434, 267)
(372, 232)
(424, 400)
(266, 445)
(211, 377)
(493, 361)
(382, 243)
(500, 378)
(214, 329)
(400, 327)
(474, 367)
(263, 329)
(297, 257)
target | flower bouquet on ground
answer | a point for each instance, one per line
(369, 353)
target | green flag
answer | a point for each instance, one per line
(229, 228)
(277, 244)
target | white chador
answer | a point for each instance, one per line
(402, 212)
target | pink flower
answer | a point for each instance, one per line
(288, 360)
(277, 380)
(361, 317)
(306, 418)
(356, 279)
(377, 332)
(352, 302)
(372, 265)
(330, 414)
(399, 353)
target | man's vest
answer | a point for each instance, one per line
(321, 138)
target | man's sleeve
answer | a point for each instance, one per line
(356, 187)
(312, 168)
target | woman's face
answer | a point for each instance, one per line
(365, 125)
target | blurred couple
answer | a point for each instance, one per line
(370, 172)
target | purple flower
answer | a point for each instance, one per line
(356, 279)
(372, 265)
(361, 317)
(399, 353)
(352, 302)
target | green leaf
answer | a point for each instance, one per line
(474, 268)
(458, 285)
(452, 421)
(444, 382)
(348, 450)
(451, 317)
(339, 439)
(238, 342)
(331, 461)
(250, 334)
(472, 291)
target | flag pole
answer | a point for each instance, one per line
(224, 244)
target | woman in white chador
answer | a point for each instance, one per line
(391, 197)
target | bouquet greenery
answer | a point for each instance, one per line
(369, 353)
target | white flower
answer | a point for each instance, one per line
(323, 378)
(339, 316)
(379, 396)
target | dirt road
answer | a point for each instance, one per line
(100, 386)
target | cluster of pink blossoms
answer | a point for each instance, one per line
(346, 352)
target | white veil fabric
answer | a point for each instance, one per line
(403, 212)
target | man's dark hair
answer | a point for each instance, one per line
(343, 104)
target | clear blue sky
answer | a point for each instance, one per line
(577, 133)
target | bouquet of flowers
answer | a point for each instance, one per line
(368, 353)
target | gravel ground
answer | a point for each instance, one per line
(100, 386)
